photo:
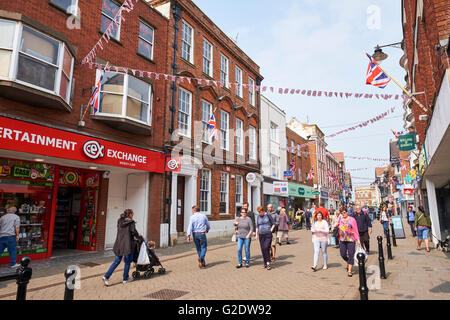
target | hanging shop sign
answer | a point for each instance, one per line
(323, 194)
(280, 188)
(298, 190)
(173, 164)
(31, 138)
(422, 159)
(406, 142)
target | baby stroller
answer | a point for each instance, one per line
(145, 259)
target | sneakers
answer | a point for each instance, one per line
(200, 264)
(15, 266)
(247, 266)
(314, 268)
(106, 281)
(239, 266)
(324, 268)
(129, 280)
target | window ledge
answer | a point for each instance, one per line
(146, 58)
(22, 93)
(188, 63)
(111, 39)
(125, 124)
(240, 98)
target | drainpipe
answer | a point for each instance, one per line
(258, 106)
(176, 10)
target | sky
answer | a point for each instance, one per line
(322, 45)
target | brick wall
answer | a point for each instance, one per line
(302, 161)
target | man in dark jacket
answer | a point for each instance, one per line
(364, 227)
(124, 245)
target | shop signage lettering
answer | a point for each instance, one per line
(406, 142)
(297, 190)
(19, 172)
(173, 165)
(30, 138)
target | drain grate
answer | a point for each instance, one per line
(90, 264)
(167, 294)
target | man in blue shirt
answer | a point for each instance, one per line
(411, 219)
(198, 228)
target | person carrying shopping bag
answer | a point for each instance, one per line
(348, 236)
(124, 245)
(320, 231)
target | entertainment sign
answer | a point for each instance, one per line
(31, 138)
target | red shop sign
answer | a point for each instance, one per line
(173, 164)
(30, 138)
(408, 191)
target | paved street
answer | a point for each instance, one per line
(290, 278)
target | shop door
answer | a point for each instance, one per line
(180, 203)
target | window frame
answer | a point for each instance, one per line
(251, 91)
(125, 99)
(112, 21)
(227, 175)
(205, 123)
(223, 58)
(189, 129)
(252, 148)
(145, 40)
(16, 52)
(210, 59)
(224, 132)
(239, 91)
(274, 165)
(191, 45)
(74, 4)
(273, 132)
(208, 191)
(239, 136)
(241, 193)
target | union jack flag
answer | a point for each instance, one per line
(212, 127)
(375, 76)
(403, 166)
(292, 166)
(94, 102)
(310, 175)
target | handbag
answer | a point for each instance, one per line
(234, 238)
(332, 240)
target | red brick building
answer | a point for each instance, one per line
(69, 180)
(218, 175)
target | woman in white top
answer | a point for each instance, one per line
(385, 220)
(320, 231)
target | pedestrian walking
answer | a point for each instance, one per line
(385, 220)
(250, 214)
(324, 211)
(299, 217)
(9, 234)
(198, 227)
(276, 221)
(335, 230)
(320, 230)
(265, 227)
(364, 227)
(351, 210)
(124, 245)
(422, 225)
(348, 235)
(411, 218)
(244, 235)
(283, 227)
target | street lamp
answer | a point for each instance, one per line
(379, 55)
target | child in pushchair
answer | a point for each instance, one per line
(147, 260)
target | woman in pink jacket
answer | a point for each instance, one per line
(348, 235)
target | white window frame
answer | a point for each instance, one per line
(238, 77)
(184, 27)
(14, 62)
(189, 122)
(239, 137)
(119, 21)
(125, 100)
(209, 59)
(69, 10)
(274, 166)
(208, 191)
(226, 192)
(300, 174)
(224, 70)
(292, 146)
(205, 121)
(240, 183)
(273, 132)
(224, 132)
(143, 39)
(251, 91)
(252, 142)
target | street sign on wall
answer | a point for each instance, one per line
(406, 142)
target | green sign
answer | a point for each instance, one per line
(422, 159)
(298, 190)
(20, 172)
(316, 193)
(27, 183)
(406, 142)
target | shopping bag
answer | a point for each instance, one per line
(359, 249)
(332, 241)
(143, 255)
(234, 238)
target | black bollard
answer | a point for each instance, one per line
(23, 278)
(70, 285)
(394, 240)
(381, 257)
(388, 245)
(363, 290)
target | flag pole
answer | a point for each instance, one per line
(401, 87)
(214, 111)
(87, 108)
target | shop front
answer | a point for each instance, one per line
(275, 194)
(57, 183)
(300, 196)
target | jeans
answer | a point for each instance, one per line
(127, 260)
(244, 242)
(11, 244)
(317, 246)
(265, 241)
(423, 233)
(385, 228)
(411, 224)
(201, 245)
(347, 249)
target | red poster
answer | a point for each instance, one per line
(30, 138)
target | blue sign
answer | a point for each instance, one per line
(324, 194)
(341, 197)
(398, 227)
(288, 173)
